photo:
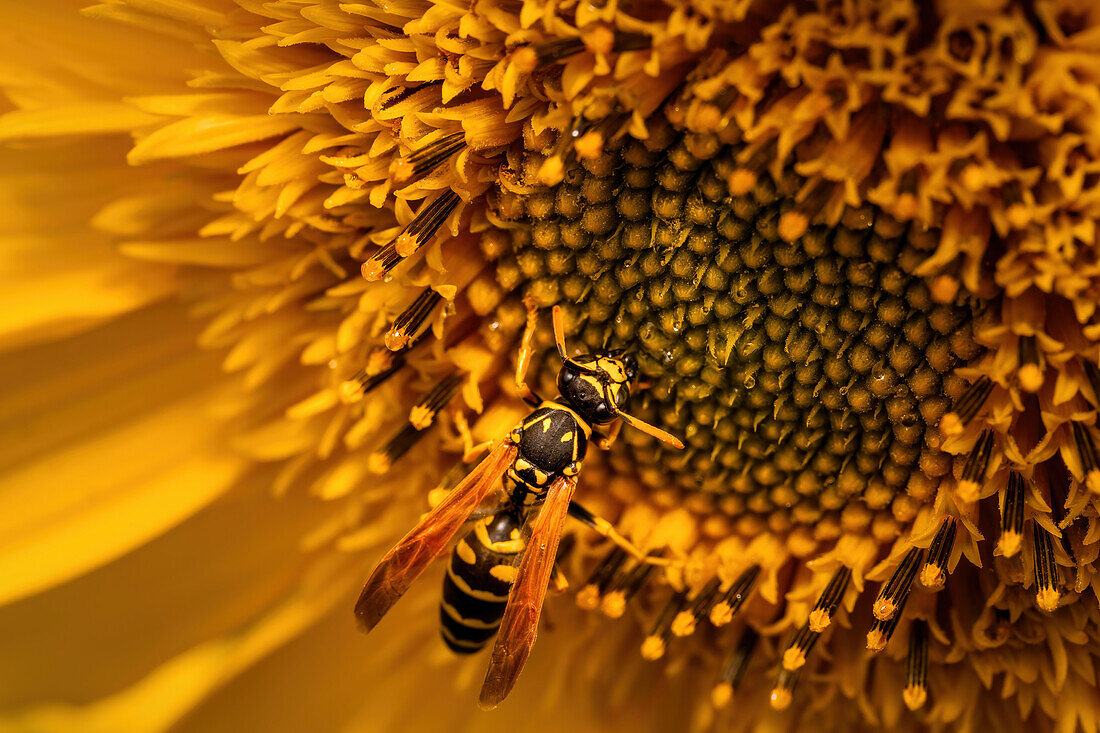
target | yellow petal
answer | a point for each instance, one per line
(199, 251)
(195, 135)
(167, 694)
(88, 118)
(99, 457)
(65, 516)
(52, 305)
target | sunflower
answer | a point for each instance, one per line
(266, 263)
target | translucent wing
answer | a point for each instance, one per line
(407, 560)
(521, 616)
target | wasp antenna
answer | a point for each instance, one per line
(559, 332)
(559, 339)
(656, 432)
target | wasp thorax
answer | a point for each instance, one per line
(802, 364)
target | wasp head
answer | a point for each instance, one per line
(598, 385)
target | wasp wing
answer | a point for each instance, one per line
(521, 616)
(407, 560)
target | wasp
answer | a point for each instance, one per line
(536, 467)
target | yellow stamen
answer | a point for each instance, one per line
(741, 182)
(683, 624)
(819, 620)
(885, 609)
(552, 171)
(792, 225)
(373, 270)
(378, 463)
(588, 598)
(1010, 543)
(932, 577)
(1018, 216)
(876, 640)
(914, 697)
(950, 425)
(421, 416)
(1030, 377)
(793, 658)
(653, 648)
(1047, 599)
(906, 206)
(945, 289)
(968, 491)
(526, 59)
(395, 339)
(599, 39)
(589, 146)
(613, 604)
(721, 614)
(351, 391)
(721, 694)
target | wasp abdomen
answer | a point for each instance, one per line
(479, 578)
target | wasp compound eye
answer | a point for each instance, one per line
(630, 366)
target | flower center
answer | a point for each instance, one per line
(802, 363)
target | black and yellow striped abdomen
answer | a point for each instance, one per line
(479, 578)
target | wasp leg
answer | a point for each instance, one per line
(470, 451)
(523, 359)
(604, 442)
(604, 528)
(558, 582)
(482, 512)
